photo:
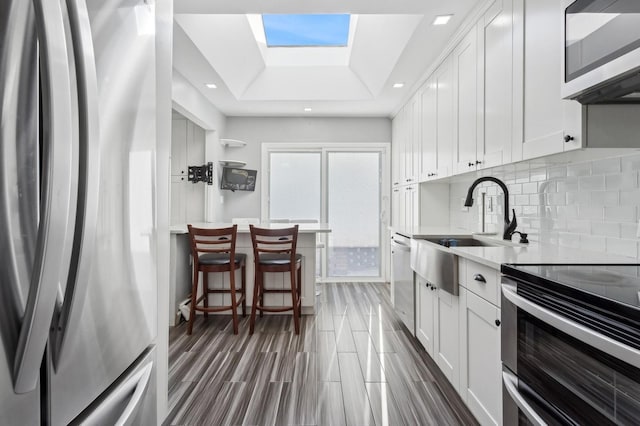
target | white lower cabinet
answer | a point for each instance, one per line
(437, 324)
(445, 344)
(424, 313)
(480, 364)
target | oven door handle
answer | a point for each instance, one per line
(578, 331)
(511, 385)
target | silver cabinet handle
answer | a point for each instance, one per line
(51, 246)
(89, 174)
(584, 334)
(133, 390)
(510, 384)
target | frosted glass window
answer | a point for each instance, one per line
(354, 214)
(295, 185)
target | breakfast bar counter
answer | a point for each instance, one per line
(181, 272)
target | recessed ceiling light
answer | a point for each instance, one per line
(211, 86)
(442, 19)
(398, 85)
(307, 109)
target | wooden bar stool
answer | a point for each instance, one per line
(274, 250)
(212, 251)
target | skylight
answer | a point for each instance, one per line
(310, 30)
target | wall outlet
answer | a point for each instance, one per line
(222, 199)
(638, 231)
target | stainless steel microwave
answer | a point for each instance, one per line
(601, 60)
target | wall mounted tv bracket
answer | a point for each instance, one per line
(202, 173)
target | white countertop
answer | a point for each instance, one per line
(537, 254)
(513, 252)
(303, 228)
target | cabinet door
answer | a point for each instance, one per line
(179, 147)
(397, 212)
(416, 129)
(446, 337)
(178, 200)
(429, 131)
(465, 89)
(424, 314)
(495, 42)
(480, 373)
(443, 79)
(396, 150)
(546, 117)
(410, 206)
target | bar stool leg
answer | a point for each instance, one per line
(252, 320)
(205, 291)
(294, 300)
(243, 274)
(234, 303)
(192, 305)
(261, 293)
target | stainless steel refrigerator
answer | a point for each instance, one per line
(77, 212)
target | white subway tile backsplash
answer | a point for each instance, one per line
(515, 189)
(592, 242)
(590, 205)
(591, 183)
(580, 169)
(557, 172)
(627, 180)
(557, 199)
(606, 229)
(607, 166)
(569, 240)
(590, 212)
(530, 188)
(622, 247)
(538, 175)
(628, 230)
(630, 198)
(578, 197)
(569, 184)
(620, 213)
(604, 198)
(579, 226)
(521, 200)
(631, 163)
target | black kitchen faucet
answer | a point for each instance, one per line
(509, 225)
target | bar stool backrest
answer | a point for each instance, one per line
(274, 241)
(218, 240)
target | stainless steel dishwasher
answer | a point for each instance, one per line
(402, 280)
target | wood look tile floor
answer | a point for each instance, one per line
(352, 364)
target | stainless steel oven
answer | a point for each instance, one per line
(571, 344)
(601, 51)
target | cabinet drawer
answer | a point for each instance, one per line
(483, 281)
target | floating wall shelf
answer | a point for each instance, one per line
(233, 143)
(232, 163)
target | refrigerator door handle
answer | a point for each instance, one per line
(89, 176)
(130, 394)
(50, 252)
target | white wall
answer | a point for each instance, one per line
(190, 103)
(593, 205)
(258, 130)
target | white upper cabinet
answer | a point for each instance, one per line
(545, 119)
(416, 136)
(495, 43)
(397, 161)
(429, 131)
(465, 89)
(443, 80)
